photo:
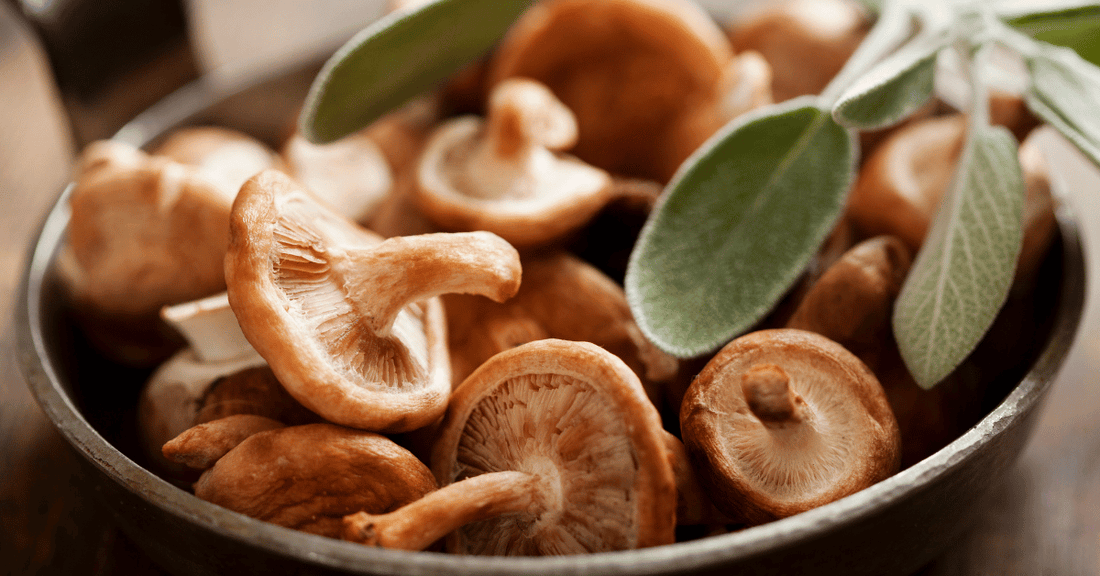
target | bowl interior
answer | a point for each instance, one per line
(90, 398)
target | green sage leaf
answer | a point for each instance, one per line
(894, 88)
(961, 277)
(1070, 23)
(398, 57)
(1064, 92)
(738, 224)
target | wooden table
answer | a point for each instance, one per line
(1044, 517)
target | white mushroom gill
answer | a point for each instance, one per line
(803, 458)
(566, 432)
(307, 274)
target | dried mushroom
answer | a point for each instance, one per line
(302, 477)
(145, 232)
(351, 175)
(227, 157)
(852, 301)
(900, 187)
(806, 42)
(630, 70)
(349, 323)
(561, 297)
(503, 174)
(782, 421)
(550, 448)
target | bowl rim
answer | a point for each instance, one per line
(43, 380)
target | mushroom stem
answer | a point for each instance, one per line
(210, 328)
(524, 115)
(767, 389)
(407, 269)
(417, 525)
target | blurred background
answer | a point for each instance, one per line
(1044, 519)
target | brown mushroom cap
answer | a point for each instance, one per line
(502, 175)
(351, 175)
(145, 232)
(806, 41)
(781, 421)
(309, 477)
(853, 301)
(227, 157)
(628, 69)
(350, 324)
(900, 186)
(562, 297)
(577, 417)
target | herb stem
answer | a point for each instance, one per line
(895, 24)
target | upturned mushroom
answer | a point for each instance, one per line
(145, 232)
(350, 324)
(503, 174)
(630, 70)
(782, 421)
(351, 175)
(806, 42)
(852, 303)
(304, 477)
(549, 448)
(561, 297)
(227, 157)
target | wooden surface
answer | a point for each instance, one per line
(1044, 517)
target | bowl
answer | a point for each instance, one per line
(894, 527)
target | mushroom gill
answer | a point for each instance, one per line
(351, 324)
(564, 430)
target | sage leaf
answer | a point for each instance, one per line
(1066, 16)
(1075, 25)
(894, 88)
(1064, 92)
(738, 224)
(962, 274)
(399, 56)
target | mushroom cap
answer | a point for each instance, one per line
(806, 41)
(901, 184)
(145, 232)
(628, 69)
(285, 270)
(852, 302)
(842, 439)
(501, 175)
(227, 157)
(577, 416)
(309, 477)
(562, 297)
(351, 175)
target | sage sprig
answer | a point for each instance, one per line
(962, 276)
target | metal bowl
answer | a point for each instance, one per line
(894, 527)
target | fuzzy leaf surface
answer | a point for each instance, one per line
(894, 88)
(738, 224)
(962, 274)
(1065, 91)
(399, 56)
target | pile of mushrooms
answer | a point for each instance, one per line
(417, 337)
